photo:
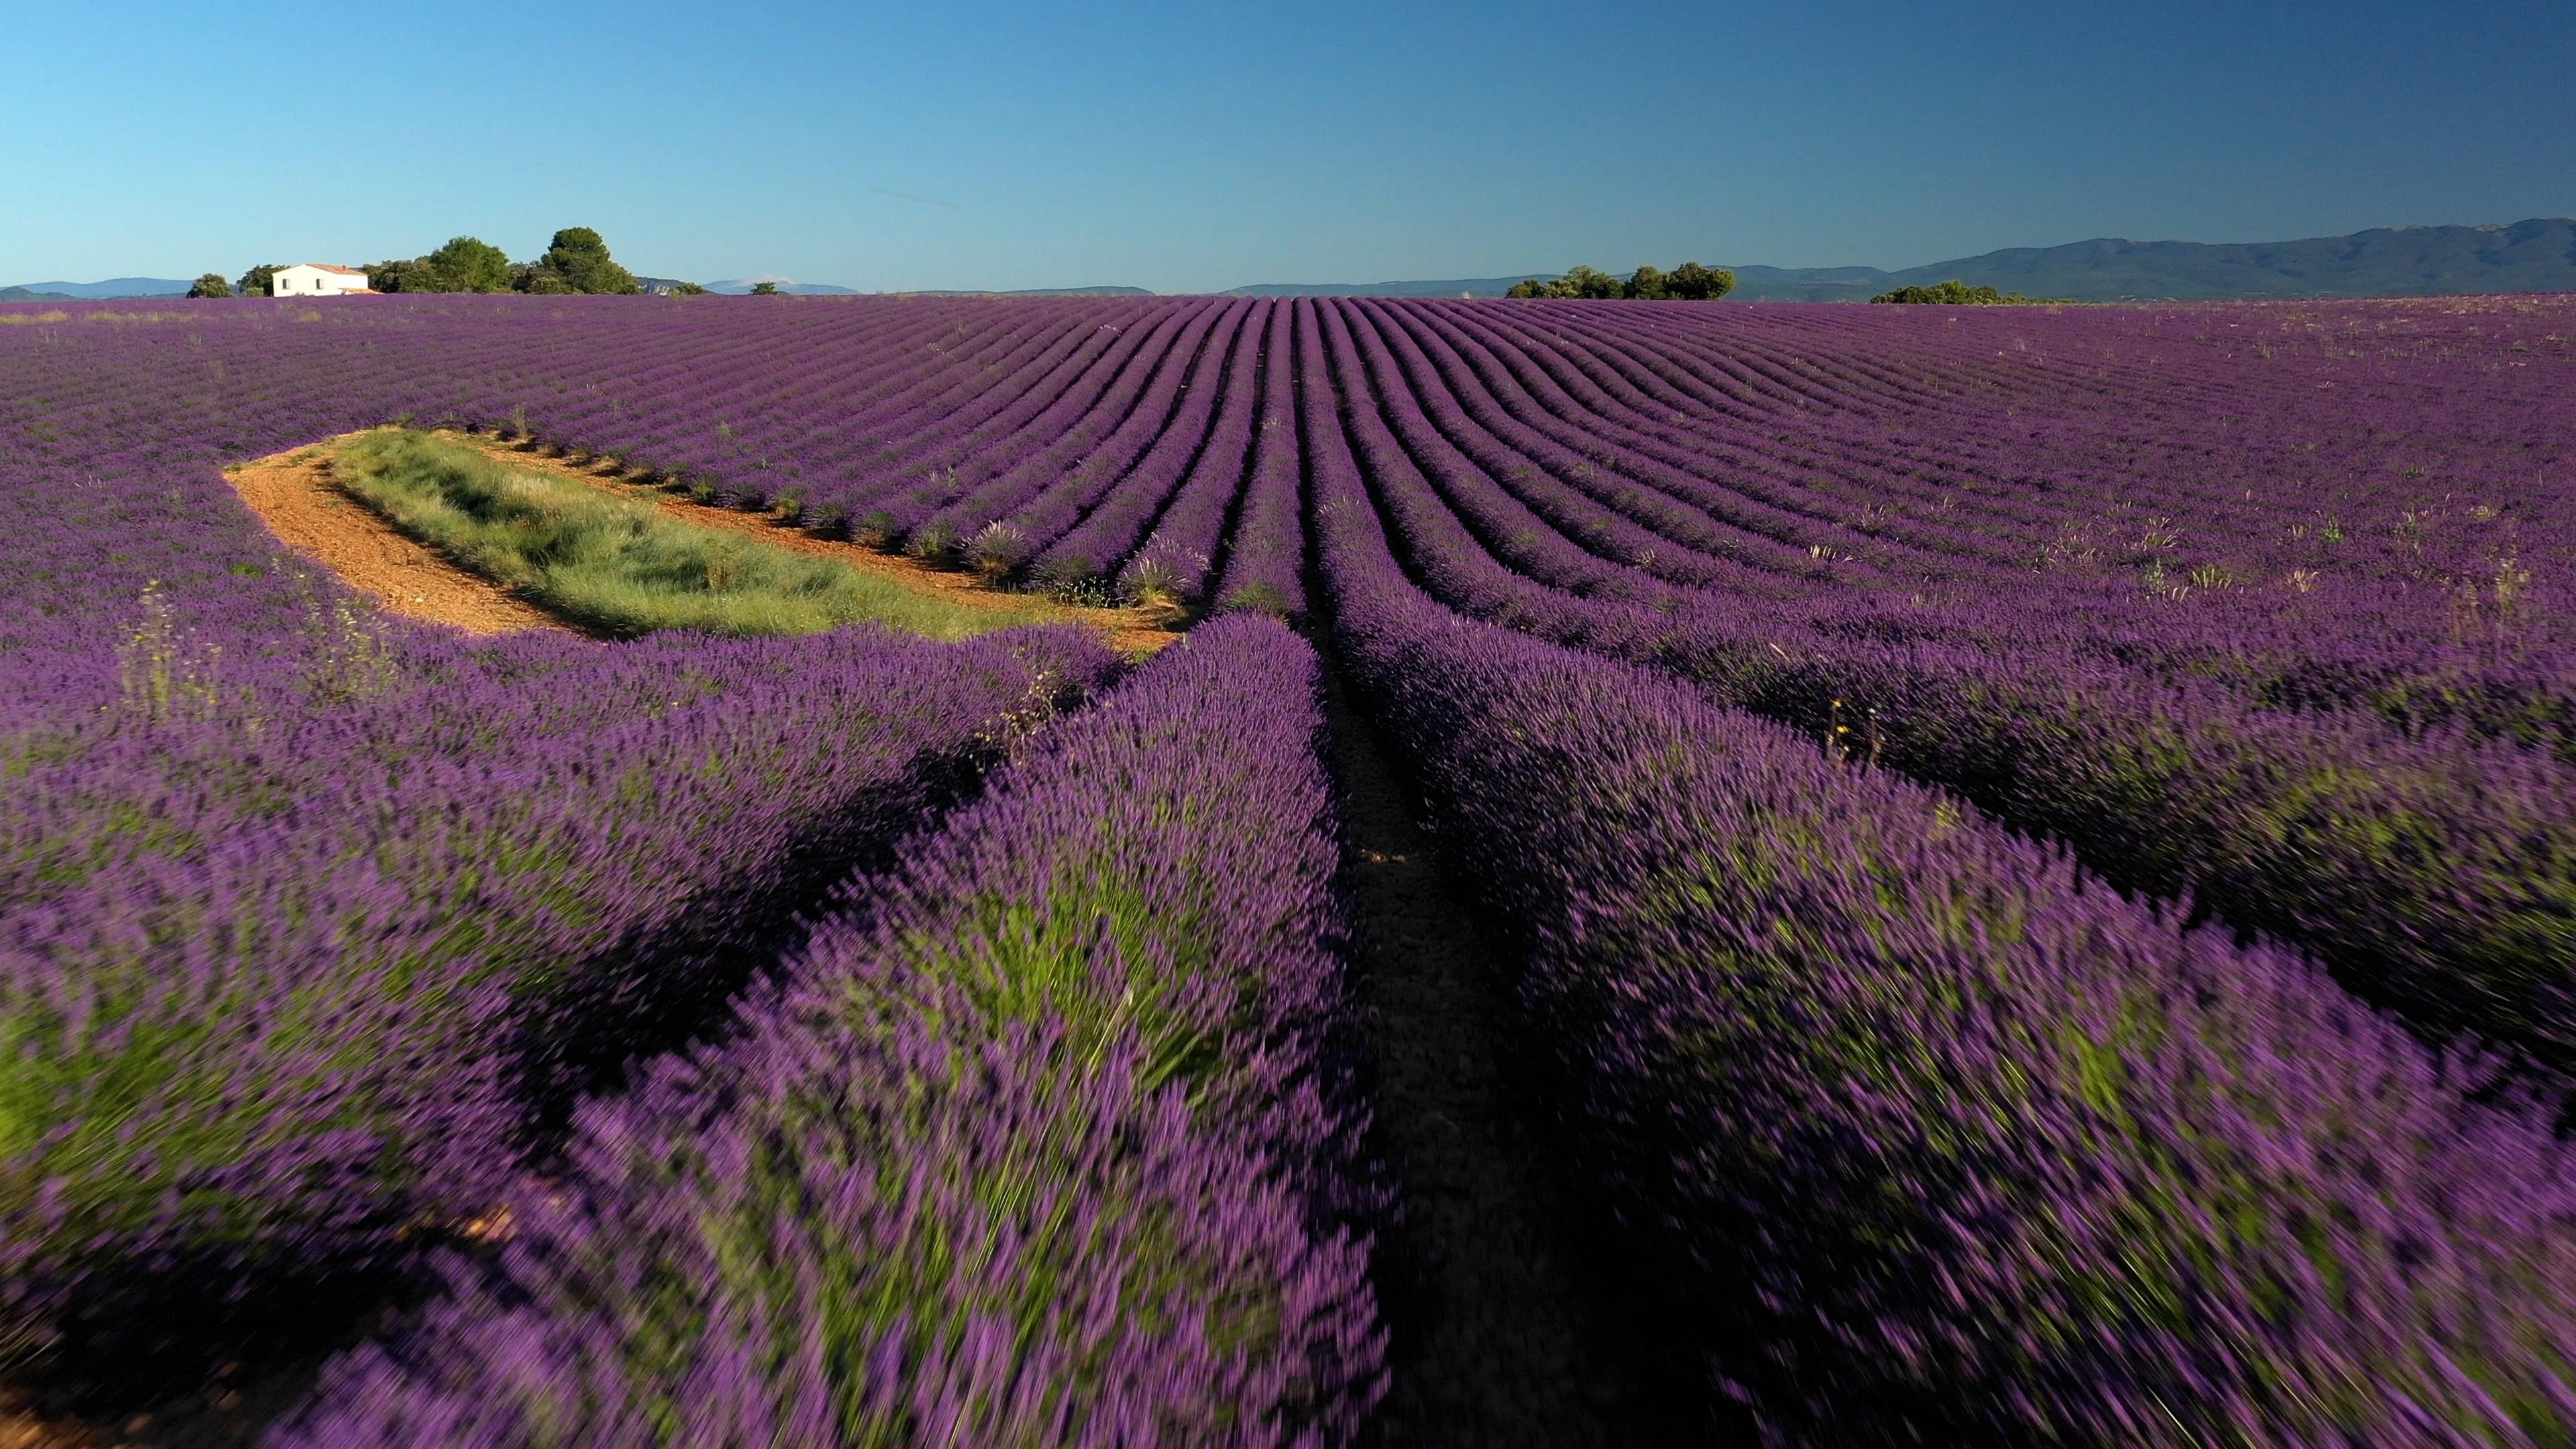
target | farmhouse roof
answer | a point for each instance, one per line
(343, 271)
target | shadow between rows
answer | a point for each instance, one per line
(1512, 1319)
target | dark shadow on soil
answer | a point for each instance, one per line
(182, 1368)
(1507, 1325)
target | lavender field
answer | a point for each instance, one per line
(1981, 876)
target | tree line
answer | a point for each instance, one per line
(1689, 282)
(576, 262)
(1955, 293)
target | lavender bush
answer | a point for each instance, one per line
(1937, 1139)
(2439, 874)
(304, 1015)
(313, 923)
(1045, 1139)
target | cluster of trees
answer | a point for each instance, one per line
(576, 261)
(1956, 293)
(1689, 282)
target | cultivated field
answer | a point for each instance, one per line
(1810, 874)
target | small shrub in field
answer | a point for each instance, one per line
(875, 528)
(1153, 579)
(935, 543)
(997, 551)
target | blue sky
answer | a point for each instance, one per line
(1190, 147)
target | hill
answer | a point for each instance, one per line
(114, 287)
(2390, 261)
(741, 286)
(2538, 255)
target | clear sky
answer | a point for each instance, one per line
(1198, 147)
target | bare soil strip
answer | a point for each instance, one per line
(1501, 1332)
(1130, 631)
(293, 494)
(20, 1429)
(232, 1412)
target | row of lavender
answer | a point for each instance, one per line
(2436, 873)
(2394, 555)
(1091, 447)
(319, 924)
(1046, 1138)
(292, 980)
(314, 923)
(2061, 477)
(2018, 444)
(1930, 1136)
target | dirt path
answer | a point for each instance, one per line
(293, 494)
(1501, 1332)
(1130, 631)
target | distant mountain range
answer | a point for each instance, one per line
(2391, 261)
(95, 291)
(741, 287)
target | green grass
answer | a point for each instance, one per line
(624, 567)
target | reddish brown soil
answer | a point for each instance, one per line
(228, 1414)
(293, 494)
(20, 1430)
(1135, 631)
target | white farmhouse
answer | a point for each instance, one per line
(316, 279)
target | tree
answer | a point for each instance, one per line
(1952, 293)
(255, 282)
(687, 289)
(1580, 282)
(399, 276)
(578, 257)
(764, 289)
(1691, 282)
(1591, 283)
(468, 264)
(1688, 282)
(210, 285)
(1955, 293)
(465, 264)
(537, 280)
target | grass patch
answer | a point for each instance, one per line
(626, 567)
